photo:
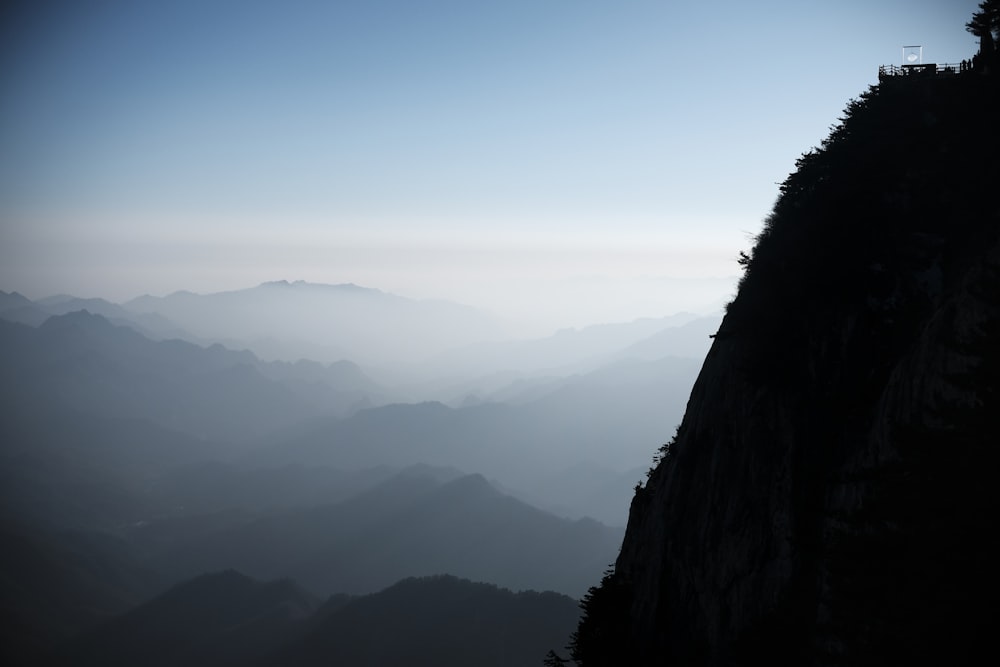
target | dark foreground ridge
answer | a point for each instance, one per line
(226, 618)
(831, 492)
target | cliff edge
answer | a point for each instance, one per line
(831, 494)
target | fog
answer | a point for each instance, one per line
(342, 437)
(530, 285)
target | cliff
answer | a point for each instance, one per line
(830, 495)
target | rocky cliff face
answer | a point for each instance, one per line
(831, 494)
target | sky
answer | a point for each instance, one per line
(554, 161)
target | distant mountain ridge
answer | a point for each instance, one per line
(579, 350)
(408, 525)
(15, 307)
(80, 361)
(608, 419)
(458, 372)
(282, 320)
(151, 461)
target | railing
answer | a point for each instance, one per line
(885, 71)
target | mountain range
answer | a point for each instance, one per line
(226, 618)
(412, 524)
(138, 453)
(282, 320)
(82, 363)
(81, 368)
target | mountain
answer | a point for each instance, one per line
(13, 301)
(81, 362)
(18, 308)
(215, 486)
(68, 471)
(290, 321)
(692, 340)
(55, 585)
(441, 621)
(608, 418)
(571, 351)
(831, 493)
(226, 618)
(15, 307)
(410, 525)
(151, 325)
(214, 619)
(586, 489)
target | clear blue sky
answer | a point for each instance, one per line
(483, 151)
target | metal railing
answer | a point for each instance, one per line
(885, 71)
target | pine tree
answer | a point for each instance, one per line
(985, 24)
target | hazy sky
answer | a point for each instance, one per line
(554, 154)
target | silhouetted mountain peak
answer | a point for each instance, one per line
(826, 497)
(211, 619)
(402, 625)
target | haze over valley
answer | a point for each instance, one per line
(531, 414)
(337, 436)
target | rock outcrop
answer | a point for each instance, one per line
(831, 494)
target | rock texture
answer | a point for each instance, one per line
(831, 495)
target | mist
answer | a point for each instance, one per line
(339, 437)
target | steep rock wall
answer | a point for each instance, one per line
(830, 495)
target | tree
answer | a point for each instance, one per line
(552, 659)
(985, 24)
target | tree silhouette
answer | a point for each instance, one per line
(552, 659)
(985, 24)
